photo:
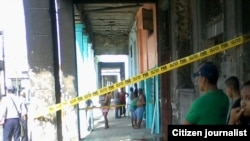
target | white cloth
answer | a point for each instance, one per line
(7, 107)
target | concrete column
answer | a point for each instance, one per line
(197, 37)
(245, 52)
(52, 61)
(68, 66)
(231, 56)
(40, 58)
(173, 28)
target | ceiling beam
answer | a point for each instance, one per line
(87, 23)
(113, 1)
(113, 8)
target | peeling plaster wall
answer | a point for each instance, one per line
(41, 96)
(40, 59)
(68, 73)
(111, 45)
(47, 80)
(164, 56)
(181, 47)
(69, 114)
(195, 28)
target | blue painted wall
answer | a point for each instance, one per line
(79, 38)
(152, 115)
(82, 41)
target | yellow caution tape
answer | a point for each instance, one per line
(95, 107)
(151, 73)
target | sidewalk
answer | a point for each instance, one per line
(119, 130)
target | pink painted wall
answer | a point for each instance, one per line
(147, 43)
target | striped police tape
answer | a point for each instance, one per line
(151, 73)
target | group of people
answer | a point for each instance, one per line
(239, 113)
(137, 106)
(13, 116)
(120, 103)
(135, 103)
(213, 106)
(105, 101)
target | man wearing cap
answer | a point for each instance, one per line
(212, 106)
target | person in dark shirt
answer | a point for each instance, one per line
(135, 90)
(122, 97)
(233, 92)
(241, 115)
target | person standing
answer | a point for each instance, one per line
(241, 115)
(9, 115)
(24, 118)
(233, 92)
(117, 104)
(89, 115)
(212, 106)
(136, 90)
(105, 108)
(132, 108)
(128, 100)
(140, 108)
(123, 102)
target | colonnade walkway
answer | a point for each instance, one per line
(119, 130)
